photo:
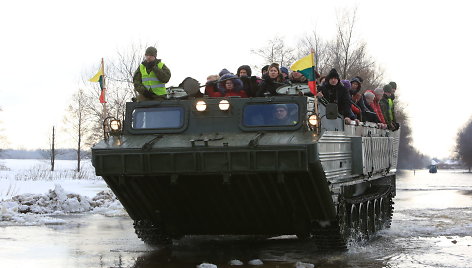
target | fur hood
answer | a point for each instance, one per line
(238, 84)
(245, 67)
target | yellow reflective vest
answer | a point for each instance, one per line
(150, 80)
(390, 108)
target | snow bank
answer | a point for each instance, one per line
(255, 262)
(236, 263)
(207, 265)
(37, 209)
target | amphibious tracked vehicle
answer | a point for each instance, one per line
(232, 166)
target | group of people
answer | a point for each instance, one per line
(358, 105)
(353, 103)
(244, 84)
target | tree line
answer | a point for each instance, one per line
(464, 145)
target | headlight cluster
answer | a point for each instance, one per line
(313, 120)
(111, 127)
(115, 125)
(202, 106)
(224, 105)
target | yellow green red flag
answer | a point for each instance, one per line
(100, 77)
(306, 66)
(96, 78)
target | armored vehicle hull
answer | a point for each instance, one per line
(228, 171)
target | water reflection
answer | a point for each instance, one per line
(431, 227)
(284, 252)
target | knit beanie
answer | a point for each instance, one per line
(393, 85)
(223, 72)
(151, 51)
(332, 74)
(346, 84)
(284, 70)
(387, 88)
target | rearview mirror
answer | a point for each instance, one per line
(331, 111)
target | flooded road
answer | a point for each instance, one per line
(431, 227)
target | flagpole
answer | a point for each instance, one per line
(104, 110)
(312, 53)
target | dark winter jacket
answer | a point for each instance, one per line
(359, 105)
(269, 85)
(162, 74)
(388, 110)
(250, 85)
(339, 95)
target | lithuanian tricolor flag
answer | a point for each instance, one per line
(100, 77)
(306, 66)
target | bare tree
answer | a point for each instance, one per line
(349, 55)
(276, 51)
(119, 73)
(464, 145)
(52, 152)
(77, 123)
(320, 46)
(3, 139)
(122, 67)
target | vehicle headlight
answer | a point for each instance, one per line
(115, 125)
(313, 120)
(201, 106)
(224, 105)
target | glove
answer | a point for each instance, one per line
(152, 63)
(148, 94)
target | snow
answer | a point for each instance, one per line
(304, 265)
(236, 263)
(38, 199)
(206, 265)
(255, 262)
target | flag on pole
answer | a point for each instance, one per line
(306, 66)
(100, 78)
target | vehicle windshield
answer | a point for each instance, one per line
(271, 114)
(158, 118)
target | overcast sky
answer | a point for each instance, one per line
(47, 46)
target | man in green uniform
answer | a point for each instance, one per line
(388, 107)
(150, 77)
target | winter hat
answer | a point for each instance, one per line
(359, 78)
(151, 51)
(284, 70)
(393, 85)
(238, 84)
(387, 88)
(332, 74)
(346, 84)
(244, 67)
(355, 79)
(223, 72)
